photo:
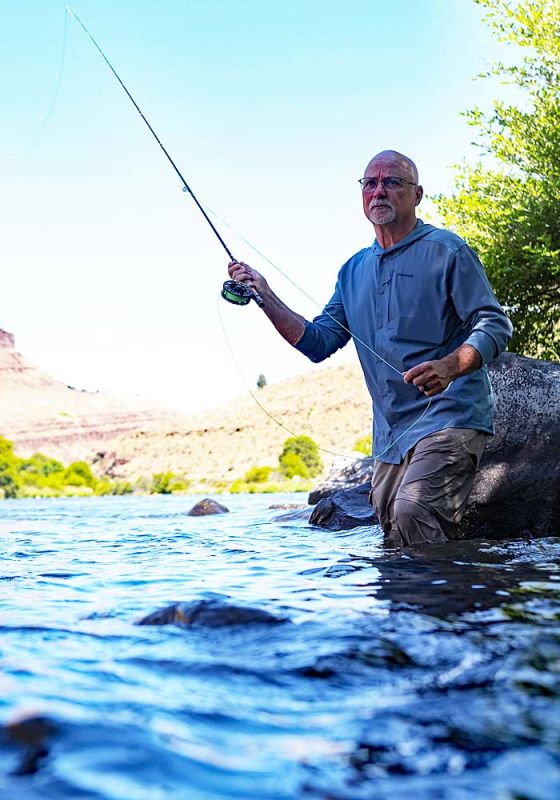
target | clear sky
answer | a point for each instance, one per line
(270, 108)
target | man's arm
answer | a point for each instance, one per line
(489, 328)
(290, 326)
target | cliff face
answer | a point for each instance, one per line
(39, 413)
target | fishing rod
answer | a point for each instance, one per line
(237, 292)
(234, 292)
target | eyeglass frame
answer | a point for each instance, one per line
(381, 181)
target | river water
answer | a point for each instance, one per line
(427, 674)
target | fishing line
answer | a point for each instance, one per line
(354, 337)
(285, 427)
(233, 291)
(50, 109)
(304, 293)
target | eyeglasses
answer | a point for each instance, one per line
(390, 183)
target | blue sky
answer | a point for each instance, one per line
(270, 109)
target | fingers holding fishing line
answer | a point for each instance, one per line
(431, 377)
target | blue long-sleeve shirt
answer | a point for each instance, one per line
(415, 301)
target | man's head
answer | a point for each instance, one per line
(386, 204)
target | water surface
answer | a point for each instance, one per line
(430, 674)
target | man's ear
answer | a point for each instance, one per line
(419, 195)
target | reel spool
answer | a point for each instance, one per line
(240, 295)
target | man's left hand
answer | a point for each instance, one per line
(431, 377)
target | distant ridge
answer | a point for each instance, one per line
(40, 413)
(331, 405)
(130, 438)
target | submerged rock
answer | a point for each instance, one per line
(517, 488)
(206, 507)
(210, 614)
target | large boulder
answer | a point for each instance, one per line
(517, 488)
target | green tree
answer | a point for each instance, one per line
(509, 210)
(10, 483)
(292, 465)
(261, 381)
(79, 473)
(308, 453)
(364, 444)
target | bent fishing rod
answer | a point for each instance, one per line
(232, 291)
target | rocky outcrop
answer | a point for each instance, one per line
(517, 488)
(39, 413)
(210, 614)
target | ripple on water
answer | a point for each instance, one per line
(427, 674)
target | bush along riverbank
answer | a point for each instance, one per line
(40, 475)
(43, 476)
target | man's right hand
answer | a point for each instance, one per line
(239, 271)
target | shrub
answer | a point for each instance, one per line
(293, 466)
(79, 474)
(168, 482)
(306, 451)
(364, 445)
(257, 475)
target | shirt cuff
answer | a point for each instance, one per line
(305, 344)
(485, 345)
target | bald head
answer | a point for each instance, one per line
(401, 160)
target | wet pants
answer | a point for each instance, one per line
(423, 498)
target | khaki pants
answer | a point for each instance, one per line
(423, 498)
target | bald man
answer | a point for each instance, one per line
(425, 322)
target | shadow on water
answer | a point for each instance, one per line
(446, 580)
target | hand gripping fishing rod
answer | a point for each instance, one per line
(232, 291)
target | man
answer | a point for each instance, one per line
(424, 321)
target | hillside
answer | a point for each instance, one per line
(129, 438)
(39, 413)
(330, 405)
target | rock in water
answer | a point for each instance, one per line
(209, 614)
(517, 488)
(206, 507)
(345, 509)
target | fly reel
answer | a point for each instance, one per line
(239, 294)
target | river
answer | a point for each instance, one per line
(427, 674)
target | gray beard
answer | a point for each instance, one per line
(381, 215)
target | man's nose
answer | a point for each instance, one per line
(380, 190)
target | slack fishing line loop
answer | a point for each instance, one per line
(234, 291)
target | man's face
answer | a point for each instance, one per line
(386, 206)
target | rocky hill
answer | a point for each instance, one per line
(330, 405)
(130, 438)
(39, 413)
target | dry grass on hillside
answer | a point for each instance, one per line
(330, 405)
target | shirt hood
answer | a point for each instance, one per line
(418, 232)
